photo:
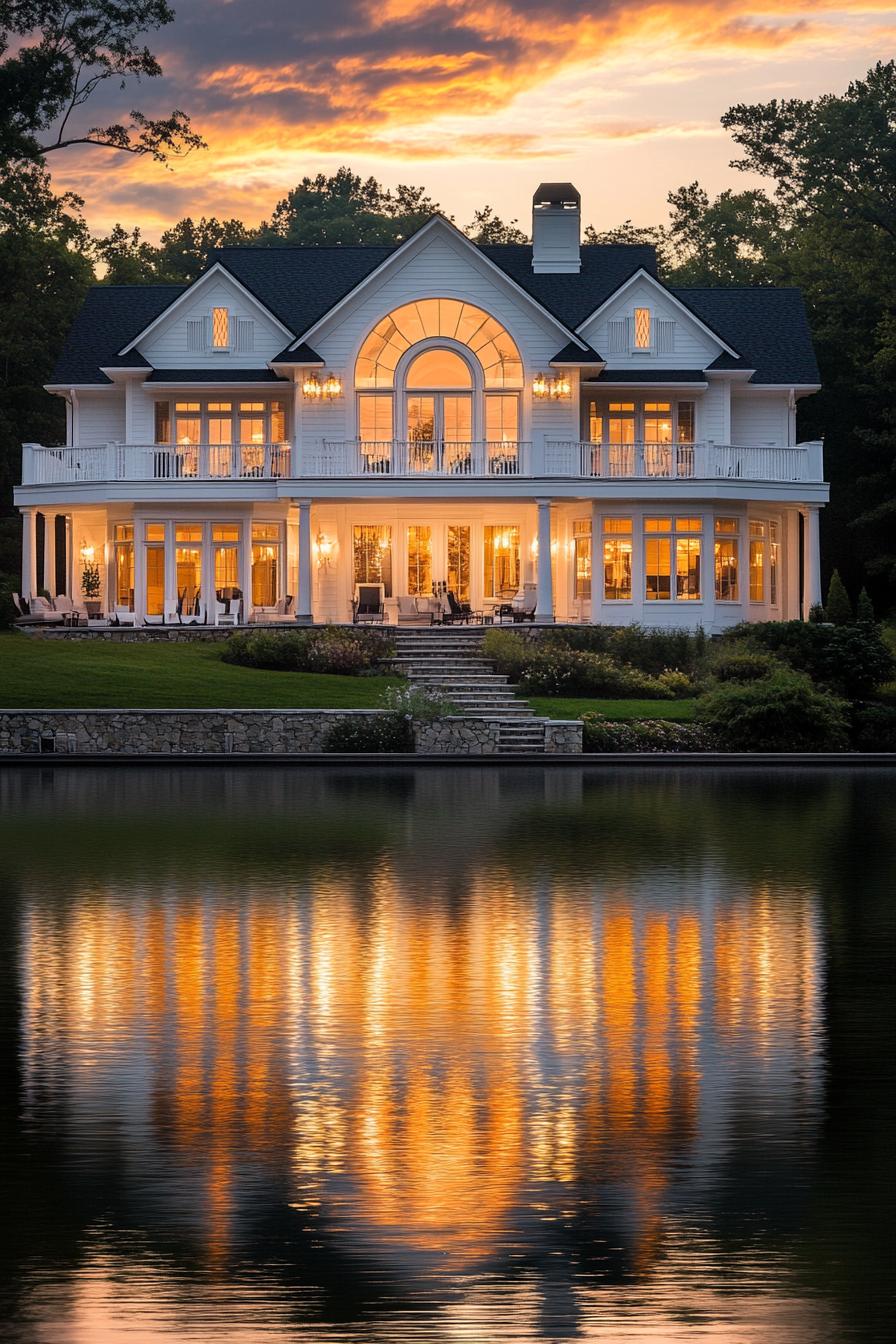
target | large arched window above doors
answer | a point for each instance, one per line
(449, 319)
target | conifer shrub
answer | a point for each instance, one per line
(838, 606)
(865, 609)
(781, 712)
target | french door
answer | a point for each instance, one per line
(440, 430)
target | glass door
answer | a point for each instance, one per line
(456, 431)
(421, 432)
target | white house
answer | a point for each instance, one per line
(299, 420)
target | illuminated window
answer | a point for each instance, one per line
(225, 542)
(685, 422)
(659, 553)
(757, 561)
(462, 322)
(642, 328)
(374, 418)
(439, 368)
(687, 568)
(220, 329)
(267, 549)
(617, 559)
(459, 561)
(581, 535)
(373, 555)
(124, 565)
(726, 560)
(501, 557)
(774, 554)
(154, 566)
(419, 561)
(188, 567)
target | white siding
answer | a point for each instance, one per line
(169, 346)
(101, 416)
(760, 417)
(692, 347)
(712, 419)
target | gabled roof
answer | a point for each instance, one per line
(653, 375)
(299, 285)
(768, 328)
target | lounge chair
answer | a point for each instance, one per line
(522, 607)
(369, 604)
(460, 613)
(122, 616)
(41, 612)
(415, 610)
(280, 611)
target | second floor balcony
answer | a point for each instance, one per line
(408, 460)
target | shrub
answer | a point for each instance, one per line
(743, 665)
(330, 649)
(874, 728)
(678, 684)
(817, 614)
(416, 702)
(558, 671)
(852, 660)
(9, 584)
(782, 712)
(865, 609)
(605, 735)
(650, 651)
(387, 733)
(509, 652)
(838, 606)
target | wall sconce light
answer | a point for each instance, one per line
(87, 553)
(311, 388)
(539, 385)
(560, 388)
(332, 386)
(324, 551)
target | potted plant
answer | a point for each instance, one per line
(91, 587)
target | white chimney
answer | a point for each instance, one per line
(556, 225)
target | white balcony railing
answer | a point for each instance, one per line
(682, 461)
(155, 462)
(394, 458)
(406, 457)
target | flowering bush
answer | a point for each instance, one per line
(415, 702)
(606, 735)
(327, 648)
(677, 683)
(549, 668)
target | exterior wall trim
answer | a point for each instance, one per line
(641, 274)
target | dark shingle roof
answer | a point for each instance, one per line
(299, 285)
(650, 376)
(111, 316)
(767, 327)
(220, 375)
(577, 354)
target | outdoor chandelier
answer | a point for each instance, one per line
(553, 388)
(313, 389)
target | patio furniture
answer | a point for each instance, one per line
(122, 616)
(522, 607)
(41, 612)
(280, 611)
(369, 604)
(415, 610)
(460, 613)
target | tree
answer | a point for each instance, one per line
(126, 257)
(733, 240)
(344, 210)
(488, 227)
(865, 609)
(630, 234)
(57, 54)
(838, 606)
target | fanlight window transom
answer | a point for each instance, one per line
(428, 318)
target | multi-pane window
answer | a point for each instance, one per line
(267, 547)
(581, 539)
(617, 559)
(220, 423)
(642, 328)
(774, 557)
(419, 560)
(726, 560)
(372, 547)
(483, 335)
(688, 549)
(124, 565)
(501, 559)
(220, 329)
(188, 567)
(502, 418)
(757, 560)
(672, 551)
(374, 418)
(154, 565)
(226, 546)
(459, 560)
(642, 421)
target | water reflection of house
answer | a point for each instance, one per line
(415, 1074)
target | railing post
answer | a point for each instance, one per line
(539, 454)
(111, 454)
(29, 463)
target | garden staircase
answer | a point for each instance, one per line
(450, 663)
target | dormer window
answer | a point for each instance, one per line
(220, 329)
(642, 329)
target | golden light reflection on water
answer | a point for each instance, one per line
(413, 1073)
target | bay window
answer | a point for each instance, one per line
(657, 559)
(673, 549)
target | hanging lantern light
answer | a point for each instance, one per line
(311, 388)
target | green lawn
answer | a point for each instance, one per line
(682, 711)
(100, 674)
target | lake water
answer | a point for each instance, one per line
(446, 1055)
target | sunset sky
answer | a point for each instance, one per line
(476, 102)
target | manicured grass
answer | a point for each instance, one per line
(681, 711)
(100, 674)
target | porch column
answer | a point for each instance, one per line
(597, 564)
(303, 608)
(811, 560)
(29, 553)
(544, 605)
(50, 553)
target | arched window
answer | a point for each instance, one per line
(425, 319)
(438, 368)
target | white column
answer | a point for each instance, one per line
(303, 608)
(29, 553)
(544, 606)
(597, 564)
(50, 553)
(791, 553)
(811, 560)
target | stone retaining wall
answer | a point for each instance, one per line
(194, 732)
(563, 737)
